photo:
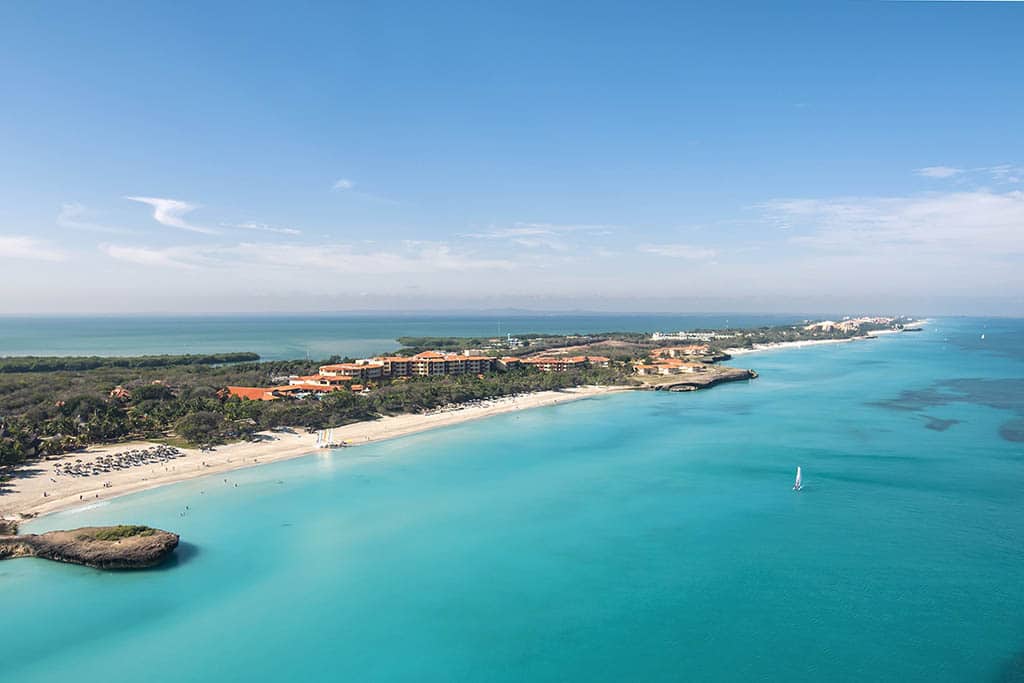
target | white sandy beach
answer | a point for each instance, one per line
(24, 495)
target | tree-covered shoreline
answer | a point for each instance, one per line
(49, 413)
(50, 406)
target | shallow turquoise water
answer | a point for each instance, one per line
(637, 537)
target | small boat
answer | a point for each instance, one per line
(797, 485)
(983, 337)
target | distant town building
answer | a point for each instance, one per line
(668, 366)
(681, 351)
(689, 336)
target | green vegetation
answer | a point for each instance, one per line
(529, 344)
(52, 364)
(116, 533)
(48, 413)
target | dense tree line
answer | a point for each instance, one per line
(52, 364)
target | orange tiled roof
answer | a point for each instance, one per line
(295, 388)
(252, 393)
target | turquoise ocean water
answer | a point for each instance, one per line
(634, 537)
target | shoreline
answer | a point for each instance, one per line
(24, 495)
(778, 346)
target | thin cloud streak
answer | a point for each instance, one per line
(145, 256)
(680, 251)
(170, 212)
(348, 187)
(29, 249)
(301, 260)
(538, 235)
(938, 171)
(74, 217)
(262, 227)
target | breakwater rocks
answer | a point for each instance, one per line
(706, 380)
(100, 547)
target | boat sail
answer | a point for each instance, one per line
(797, 485)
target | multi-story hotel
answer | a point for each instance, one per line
(428, 363)
(353, 376)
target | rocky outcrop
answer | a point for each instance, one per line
(116, 547)
(706, 380)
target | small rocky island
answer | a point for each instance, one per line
(100, 547)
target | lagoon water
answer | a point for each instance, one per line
(633, 537)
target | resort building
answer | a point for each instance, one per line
(252, 393)
(355, 376)
(668, 366)
(681, 351)
(847, 325)
(362, 369)
(690, 336)
(563, 363)
(431, 363)
(321, 380)
(509, 363)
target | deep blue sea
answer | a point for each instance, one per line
(286, 337)
(633, 537)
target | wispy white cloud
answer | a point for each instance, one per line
(348, 187)
(299, 261)
(590, 228)
(681, 251)
(29, 248)
(411, 257)
(938, 171)
(529, 237)
(974, 222)
(538, 235)
(75, 216)
(171, 212)
(1006, 173)
(147, 256)
(262, 227)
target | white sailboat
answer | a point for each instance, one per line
(797, 485)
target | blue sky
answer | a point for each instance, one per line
(600, 156)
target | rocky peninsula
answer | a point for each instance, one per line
(697, 380)
(111, 547)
